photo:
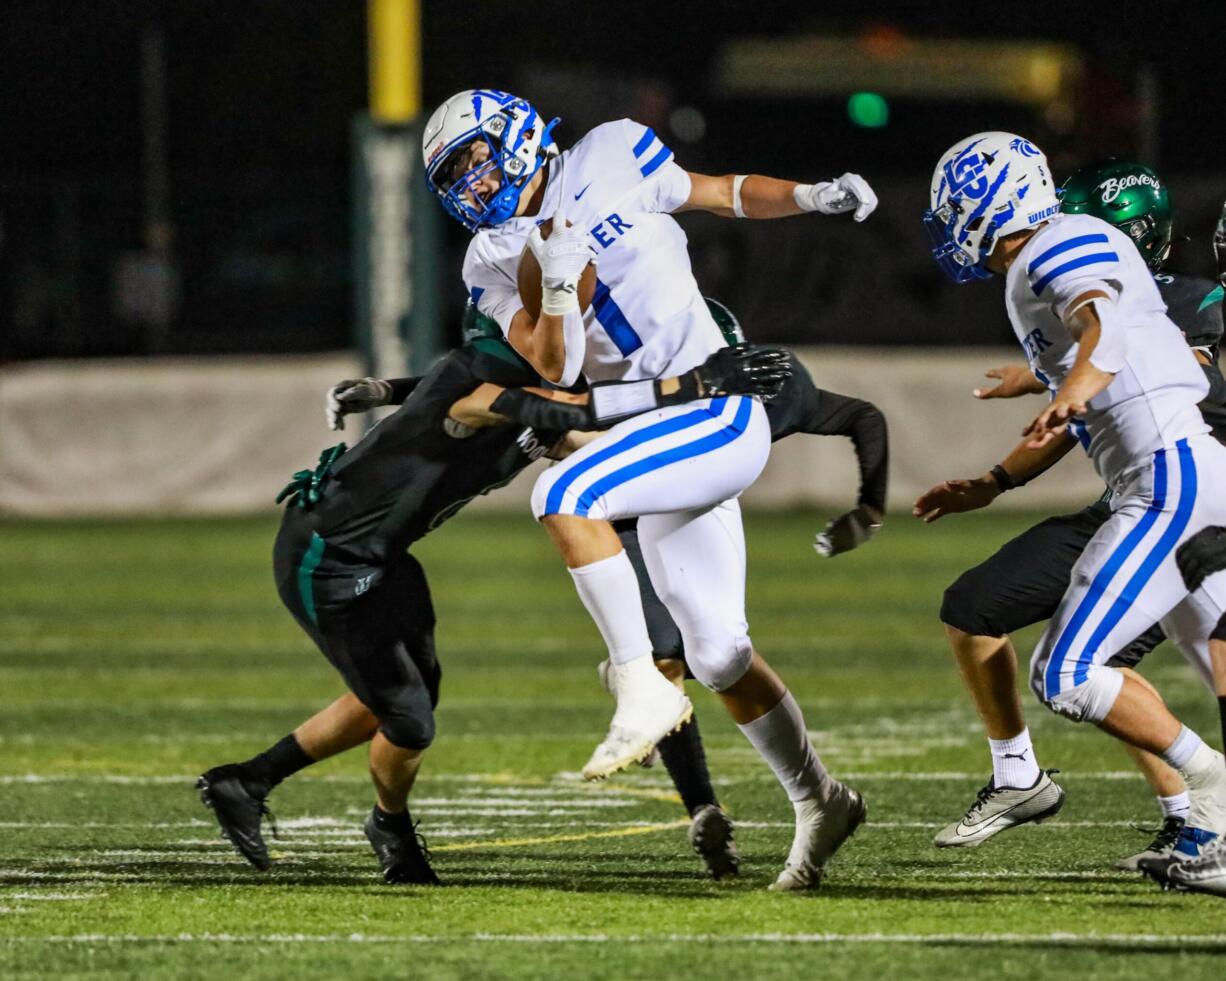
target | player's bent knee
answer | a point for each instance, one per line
(719, 662)
(408, 722)
(1089, 701)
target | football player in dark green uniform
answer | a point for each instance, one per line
(1024, 581)
(343, 569)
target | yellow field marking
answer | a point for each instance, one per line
(645, 829)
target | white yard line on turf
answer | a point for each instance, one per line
(53, 897)
(1123, 940)
(328, 828)
(495, 778)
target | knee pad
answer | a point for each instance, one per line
(1089, 701)
(1201, 556)
(717, 657)
(965, 607)
(408, 720)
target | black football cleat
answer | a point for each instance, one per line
(238, 811)
(404, 857)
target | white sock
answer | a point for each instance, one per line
(1013, 762)
(782, 740)
(1181, 751)
(610, 591)
(1175, 806)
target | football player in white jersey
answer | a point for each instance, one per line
(1091, 321)
(492, 162)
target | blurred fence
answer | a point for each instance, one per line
(260, 265)
(223, 435)
(263, 266)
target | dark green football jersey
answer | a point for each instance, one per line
(409, 473)
(1195, 305)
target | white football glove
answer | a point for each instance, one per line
(354, 395)
(846, 193)
(846, 532)
(562, 257)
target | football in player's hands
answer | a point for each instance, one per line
(846, 532)
(529, 274)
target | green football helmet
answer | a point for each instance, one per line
(726, 321)
(483, 334)
(1129, 196)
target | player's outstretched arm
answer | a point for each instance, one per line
(743, 370)
(832, 414)
(1023, 464)
(755, 196)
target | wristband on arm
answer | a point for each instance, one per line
(541, 413)
(738, 209)
(1004, 482)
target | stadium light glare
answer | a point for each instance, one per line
(868, 109)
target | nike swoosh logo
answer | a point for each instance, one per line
(584, 191)
(971, 829)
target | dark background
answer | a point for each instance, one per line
(261, 98)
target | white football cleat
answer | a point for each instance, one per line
(822, 825)
(649, 707)
(711, 836)
(1165, 839)
(608, 681)
(1205, 873)
(997, 809)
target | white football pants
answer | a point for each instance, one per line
(679, 470)
(1126, 580)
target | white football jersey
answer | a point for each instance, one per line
(647, 318)
(1152, 402)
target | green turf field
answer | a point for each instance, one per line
(134, 655)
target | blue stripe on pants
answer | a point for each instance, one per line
(1051, 678)
(1183, 512)
(553, 503)
(712, 441)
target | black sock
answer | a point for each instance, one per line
(270, 767)
(686, 761)
(400, 823)
(1221, 707)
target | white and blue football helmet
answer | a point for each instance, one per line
(519, 142)
(985, 186)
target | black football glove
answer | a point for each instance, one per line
(746, 369)
(354, 395)
(1201, 556)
